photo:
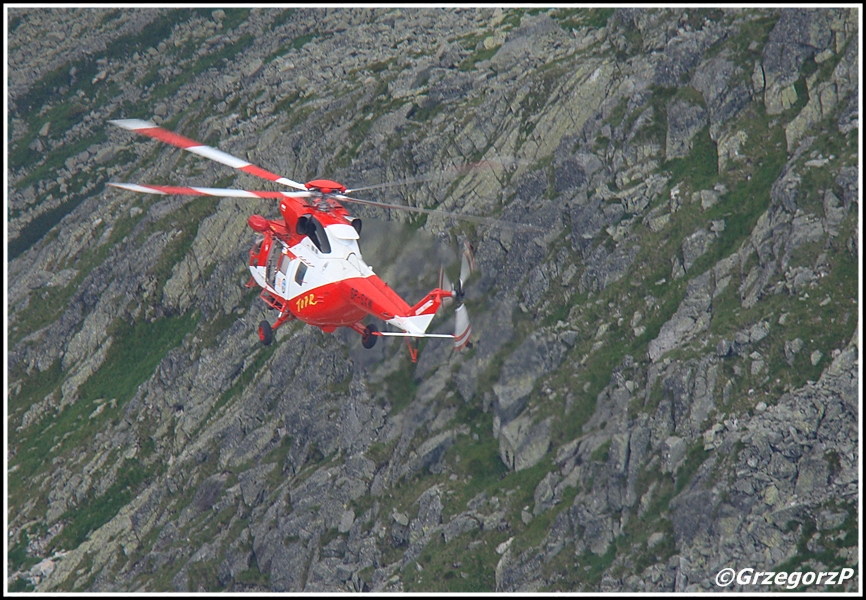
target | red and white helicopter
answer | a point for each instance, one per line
(308, 263)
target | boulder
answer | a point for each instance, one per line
(685, 120)
(673, 452)
(522, 444)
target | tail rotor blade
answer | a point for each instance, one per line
(462, 327)
(444, 284)
(467, 263)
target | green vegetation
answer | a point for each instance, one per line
(18, 558)
(601, 453)
(294, 44)
(225, 55)
(576, 18)
(699, 170)
(234, 17)
(48, 88)
(137, 349)
(695, 457)
(400, 387)
(284, 17)
(260, 357)
(94, 512)
(468, 63)
(38, 227)
(453, 567)
(823, 546)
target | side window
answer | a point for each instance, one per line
(285, 261)
(299, 274)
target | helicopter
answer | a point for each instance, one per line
(308, 263)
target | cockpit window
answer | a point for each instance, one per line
(317, 234)
(285, 261)
(299, 274)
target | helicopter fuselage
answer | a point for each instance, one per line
(315, 272)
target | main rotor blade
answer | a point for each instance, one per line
(407, 181)
(152, 130)
(472, 218)
(171, 190)
(453, 171)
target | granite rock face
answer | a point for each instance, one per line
(663, 379)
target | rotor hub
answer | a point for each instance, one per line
(325, 186)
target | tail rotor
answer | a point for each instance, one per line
(462, 326)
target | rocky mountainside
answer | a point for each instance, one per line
(664, 381)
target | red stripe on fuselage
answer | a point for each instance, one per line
(344, 303)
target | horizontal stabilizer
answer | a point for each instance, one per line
(412, 335)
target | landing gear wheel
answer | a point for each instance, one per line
(266, 334)
(368, 340)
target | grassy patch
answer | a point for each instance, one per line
(824, 321)
(184, 222)
(18, 558)
(401, 386)
(699, 170)
(479, 469)
(39, 226)
(234, 17)
(695, 457)
(94, 512)
(653, 519)
(136, 351)
(589, 568)
(293, 44)
(577, 18)
(468, 63)
(284, 17)
(601, 453)
(825, 545)
(254, 575)
(49, 87)
(35, 386)
(261, 357)
(225, 54)
(656, 129)
(453, 567)
(425, 111)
